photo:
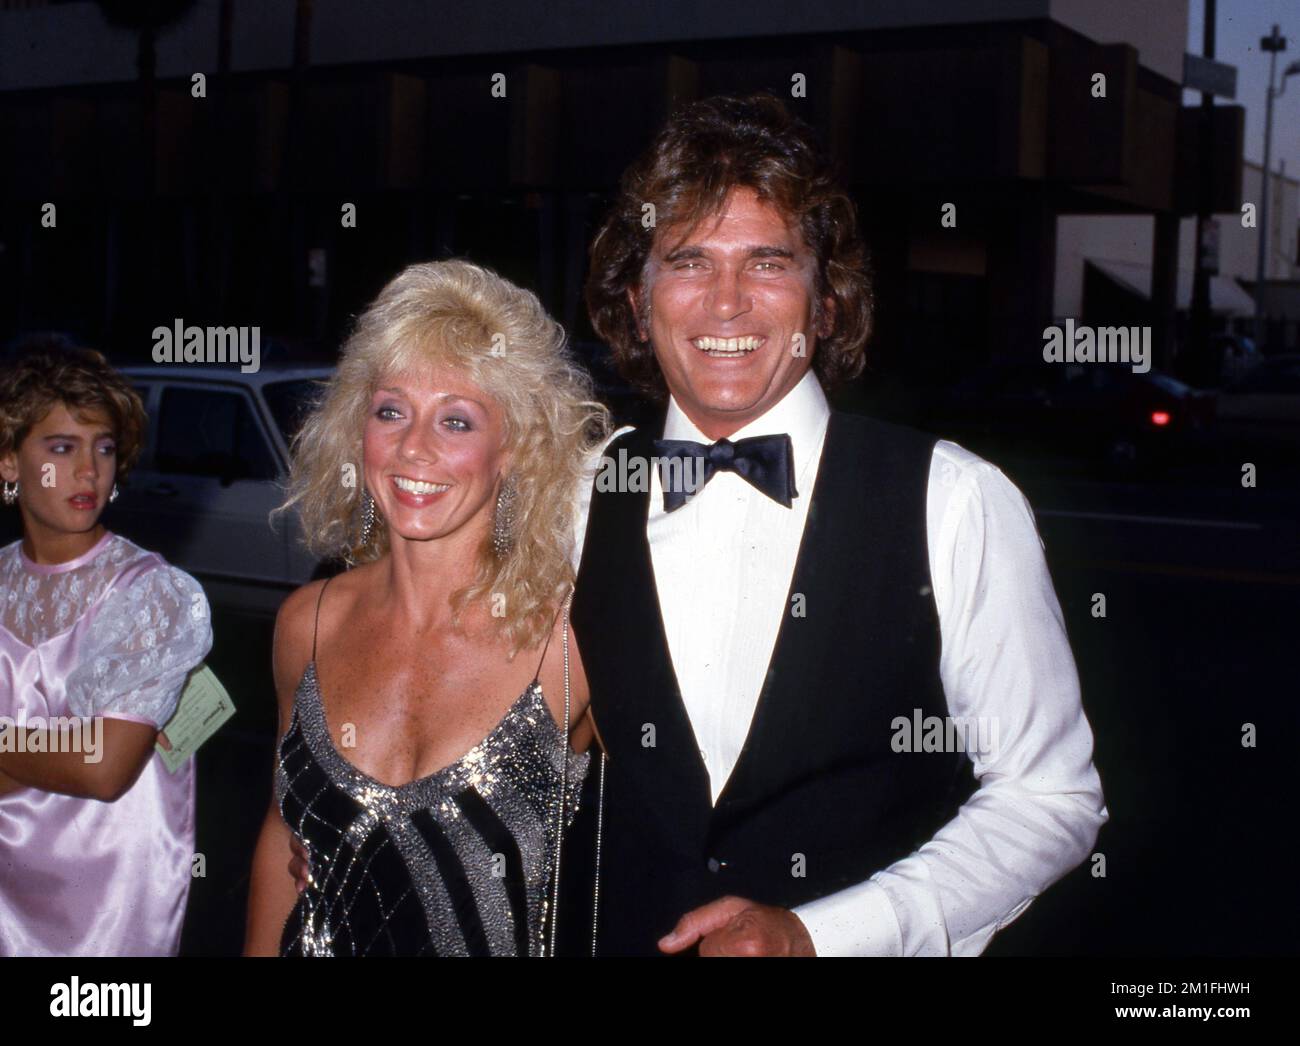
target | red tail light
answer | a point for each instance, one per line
(1159, 417)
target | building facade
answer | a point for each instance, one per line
(203, 166)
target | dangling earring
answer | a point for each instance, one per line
(9, 492)
(503, 521)
(367, 516)
(113, 496)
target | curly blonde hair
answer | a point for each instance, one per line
(461, 317)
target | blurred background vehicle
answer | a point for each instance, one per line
(212, 468)
(1237, 355)
(1102, 415)
(1259, 413)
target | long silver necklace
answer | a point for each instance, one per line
(559, 832)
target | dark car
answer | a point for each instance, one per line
(1096, 412)
(1259, 414)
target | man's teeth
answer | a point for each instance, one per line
(728, 346)
(412, 486)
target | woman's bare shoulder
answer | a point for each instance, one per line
(552, 673)
(297, 613)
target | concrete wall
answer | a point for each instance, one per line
(1157, 28)
(1283, 218)
(1128, 239)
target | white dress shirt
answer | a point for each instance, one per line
(723, 564)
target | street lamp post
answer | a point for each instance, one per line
(1273, 44)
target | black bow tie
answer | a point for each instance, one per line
(766, 462)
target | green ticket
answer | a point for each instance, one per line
(203, 707)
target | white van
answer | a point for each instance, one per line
(213, 466)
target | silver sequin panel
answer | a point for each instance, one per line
(516, 770)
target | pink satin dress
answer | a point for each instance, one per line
(112, 633)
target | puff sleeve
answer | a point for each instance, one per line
(144, 639)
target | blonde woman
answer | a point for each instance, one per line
(97, 634)
(424, 754)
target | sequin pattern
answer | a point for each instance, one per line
(456, 863)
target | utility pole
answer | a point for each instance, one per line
(1273, 45)
(1196, 365)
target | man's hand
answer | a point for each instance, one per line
(298, 867)
(735, 926)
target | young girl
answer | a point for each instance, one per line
(97, 637)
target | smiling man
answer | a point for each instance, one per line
(750, 643)
(712, 304)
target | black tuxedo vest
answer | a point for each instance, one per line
(819, 798)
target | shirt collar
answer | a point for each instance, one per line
(802, 412)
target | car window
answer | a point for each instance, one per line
(145, 391)
(290, 402)
(207, 432)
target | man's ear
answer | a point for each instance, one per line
(634, 299)
(826, 327)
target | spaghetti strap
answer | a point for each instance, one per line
(316, 627)
(538, 674)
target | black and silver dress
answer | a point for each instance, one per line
(456, 863)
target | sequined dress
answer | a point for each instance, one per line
(455, 863)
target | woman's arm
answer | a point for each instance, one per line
(82, 762)
(145, 639)
(581, 725)
(272, 892)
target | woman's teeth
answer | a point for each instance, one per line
(412, 486)
(727, 347)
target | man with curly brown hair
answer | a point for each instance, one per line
(778, 655)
